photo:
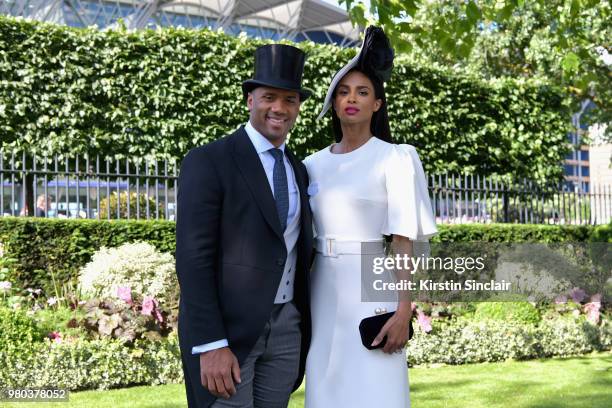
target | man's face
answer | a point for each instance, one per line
(273, 112)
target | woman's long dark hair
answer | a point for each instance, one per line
(379, 125)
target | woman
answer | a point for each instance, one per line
(362, 188)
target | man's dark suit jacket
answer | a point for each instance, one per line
(230, 253)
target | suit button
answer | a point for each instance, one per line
(280, 261)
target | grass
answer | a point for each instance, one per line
(574, 382)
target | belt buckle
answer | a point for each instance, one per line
(330, 247)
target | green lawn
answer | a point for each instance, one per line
(552, 383)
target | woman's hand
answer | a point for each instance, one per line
(396, 330)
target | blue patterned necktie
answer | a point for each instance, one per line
(281, 190)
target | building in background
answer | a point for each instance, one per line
(297, 20)
(580, 163)
(600, 168)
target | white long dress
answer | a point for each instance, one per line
(377, 189)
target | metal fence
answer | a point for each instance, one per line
(472, 198)
(92, 187)
(87, 187)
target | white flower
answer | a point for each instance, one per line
(1, 249)
(52, 301)
(139, 266)
(5, 286)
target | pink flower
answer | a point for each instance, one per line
(561, 299)
(158, 316)
(55, 337)
(413, 306)
(577, 295)
(148, 305)
(592, 311)
(125, 293)
(424, 321)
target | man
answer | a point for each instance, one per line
(243, 247)
(42, 205)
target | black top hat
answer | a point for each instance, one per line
(278, 66)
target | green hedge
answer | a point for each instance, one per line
(159, 93)
(466, 341)
(104, 364)
(17, 329)
(99, 364)
(522, 312)
(41, 246)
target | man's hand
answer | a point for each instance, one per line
(396, 330)
(219, 370)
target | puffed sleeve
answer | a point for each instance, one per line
(409, 210)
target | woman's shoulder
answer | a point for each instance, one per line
(314, 157)
(394, 150)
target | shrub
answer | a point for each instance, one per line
(465, 341)
(138, 266)
(43, 248)
(523, 312)
(81, 364)
(138, 206)
(127, 321)
(17, 329)
(565, 336)
(98, 364)
(40, 247)
(60, 320)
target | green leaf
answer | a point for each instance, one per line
(357, 14)
(473, 12)
(506, 11)
(571, 62)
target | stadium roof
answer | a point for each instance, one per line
(297, 20)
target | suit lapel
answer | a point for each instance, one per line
(249, 164)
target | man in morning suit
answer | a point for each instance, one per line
(243, 250)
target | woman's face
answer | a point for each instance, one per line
(355, 100)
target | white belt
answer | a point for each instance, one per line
(333, 247)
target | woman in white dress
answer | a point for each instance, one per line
(362, 188)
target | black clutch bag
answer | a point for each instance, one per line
(371, 326)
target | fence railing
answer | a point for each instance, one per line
(97, 188)
(472, 198)
(87, 187)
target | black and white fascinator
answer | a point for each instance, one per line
(375, 59)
